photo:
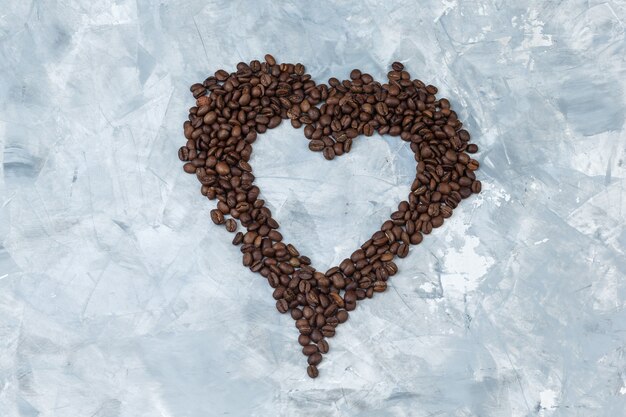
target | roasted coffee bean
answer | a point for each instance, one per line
(231, 225)
(303, 326)
(397, 66)
(296, 314)
(217, 217)
(476, 187)
(189, 168)
(403, 250)
(328, 331)
(329, 153)
(282, 305)
(308, 350)
(316, 335)
(342, 316)
(238, 239)
(304, 340)
(316, 145)
(333, 321)
(380, 286)
(270, 59)
(232, 109)
(183, 154)
(315, 358)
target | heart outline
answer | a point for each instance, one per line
(241, 105)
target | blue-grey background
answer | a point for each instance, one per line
(118, 296)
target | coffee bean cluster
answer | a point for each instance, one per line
(232, 109)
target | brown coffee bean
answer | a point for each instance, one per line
(473, 165)
(476, 187)
(342, 316)
(270, 59)
(336, 298)
(382, 109)
(303, 326)
(309, 350)
(221, 75)
(380, 286)
(231, 225)
(397, 66)
(238, 239)
(296, 314)
(329, 153)
(315, 358)
(282, 305)
(312, 371)
(465, 192)
(304, 340)
(189, 168)
(328, 331)
(316, 335)
(322, 346)
(217, 217)
(183, 154)
(222, 168)
(316, 145)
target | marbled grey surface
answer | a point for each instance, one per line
(119, 298)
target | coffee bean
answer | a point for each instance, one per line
(308, 350)
(304, 340)
(382, 109)
(473, 165)
(270, 59)
(315, 358)
(282, 306)
(217, 217)
(333, 321)
(322, 346)
(397, 66)
(238, 239)
(312, 371)
(303, 326)
(316, 145)
(328, 331)
(403, 250)
(476, 187)
(189, 168)
(222, 168)
(183, 154)
(316, 335)
(231, 225)
(296, 314)
(465, 192)
(342, 316)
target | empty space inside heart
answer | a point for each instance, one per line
(327, 209)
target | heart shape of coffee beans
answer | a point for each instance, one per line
(232, 109)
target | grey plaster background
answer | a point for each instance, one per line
(118, 297)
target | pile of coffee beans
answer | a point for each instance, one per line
(232, 109)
